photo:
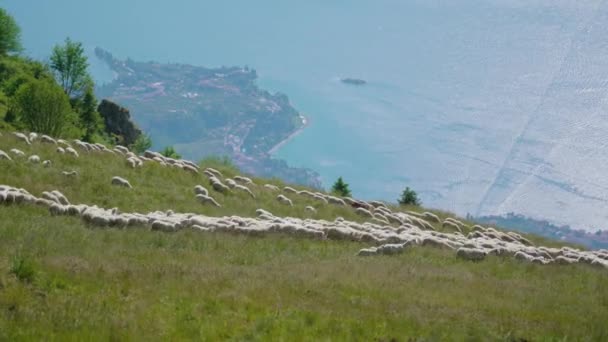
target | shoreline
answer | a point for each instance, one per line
(305, 123)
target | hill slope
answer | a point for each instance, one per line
(63, 278)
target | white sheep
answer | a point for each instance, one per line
(22, 137)
(47, 163)
(451, 225)
(243, 180)
(121, 182)
(474, 254)
(48, 140)
(431, 217)
(272, 187)
(72, 173)
(63, 142)
(190, 168)
(5, 156)
(284, 200)
(200, 190)
(207, 199)
(71, 151)
(230, 183)
(17, 152)
(290, 190)
(219, 186)
(310, 209)
(32, 136)
(215, 172)
(364, 212)
(34, 159)
(335, 200)
(244, 189)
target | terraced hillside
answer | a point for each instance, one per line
(84, 257)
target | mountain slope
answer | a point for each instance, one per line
(65, 277)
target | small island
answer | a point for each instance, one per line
(354, 81)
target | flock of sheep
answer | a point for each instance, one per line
(387, 231)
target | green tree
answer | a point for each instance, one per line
(90, 120)
(142, 143)
(170, 152)
(69, 64)
(10, 34)
(43, 107)
(340, 188)
(409, 197)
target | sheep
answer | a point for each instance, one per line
(431, 217)
(72, 173)
(17, 152)
(60, 197)
(272, 187)
(218, 186)
(132, 163)
(34, 159)
(451, 225)
(377, 204)
(244, 189)
(207, 199)
(122, 149)
(121, 182)
(5, 156)
(71, 151)
(22, 137)
(364, 212)
(32, 136)
(230, 183)
(290, 190)
(473, 254)
(320, 198)
(200, 190)
(190, 168)
(164, 226)
(63, 142)
(48, 140)
(243, 180)
(215, 172)
(284, 200)
(367, 251)
(310, 209)
(47, 163)
(336, 200)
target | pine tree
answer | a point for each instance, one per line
(409, 197)
(340, 188)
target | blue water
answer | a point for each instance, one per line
(449, 82)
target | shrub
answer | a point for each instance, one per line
(340, 188)
(409, 197)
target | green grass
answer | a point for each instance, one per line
(60, 280)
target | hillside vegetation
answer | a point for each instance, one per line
(63, 279)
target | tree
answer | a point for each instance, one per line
(340, 188)
(142, 143)
(90, 120)
(409, 197)
(170, 152)
(69, 65)
(43, 107)
(10, 34)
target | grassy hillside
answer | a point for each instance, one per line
(60, 279)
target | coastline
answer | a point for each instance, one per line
(305, 123)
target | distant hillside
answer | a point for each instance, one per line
(208, 112)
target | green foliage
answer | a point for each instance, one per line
(340, 188)
(23, 268)
(90, 120)
(170, 152)
(43, 107)
(70, 64)
(409, 197)
(142, 143)
(10, 34)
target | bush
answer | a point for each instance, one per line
(170, 152)
(409, 197)
(23, 268)
(141, 144)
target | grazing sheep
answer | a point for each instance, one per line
(207, 199)
(215, 172)
(122, 149)
(32, 136)
(22, 137)
(230, 183)
(219, 186)
(47, 163)
(17, 152)
(63, 142)
(164, 226)
(244, 189)
(377, 204)
(34, 159)
(284, 200)
(70, 173)
(132, 162)
(364, 212)
(290, 190)
(243, 180)
(48, 140)
(272, 187)
(451, 225)
(431, 217)
(60, 150)
(190, 168)
(71, 151)
(121, 182)
(200, 190)
(336, 200)
(367, 252)
(474, 254)
(320, 198)
(5, 156)
(60, 197)
(310, 209)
